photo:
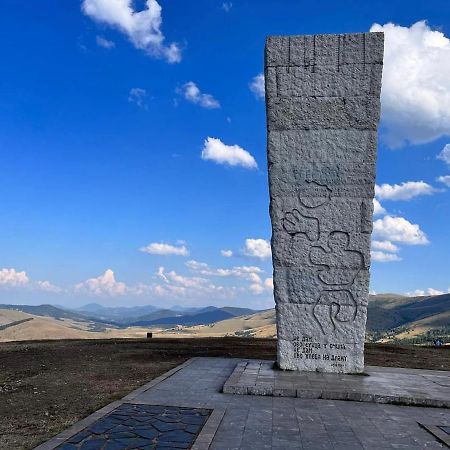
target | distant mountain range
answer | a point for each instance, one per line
(391, 318)
(134, 316)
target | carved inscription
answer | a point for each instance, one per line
(306, 349)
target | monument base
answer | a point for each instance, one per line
(387, 385)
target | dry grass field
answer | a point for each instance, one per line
(47, 386)
(43, 328)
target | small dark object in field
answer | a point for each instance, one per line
(149, 335)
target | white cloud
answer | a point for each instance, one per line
(103, 286)
(268, 283)
(48, 287)
(387, 246)
(257, 248)
(398, 229)
(143, 28)
(421, 292)
(384, 251)
(10, 277)
(432, 291)
(416, 293)
(256, 288)
(186, 282)
(404, 191)
(444, 179)
(105, 43)
(179, 286)
(139, 97)
(244, 272)
(257, 86)
(226, 253)
(380, 256)
(377, 208)
(415, 95)
(226, 6)
(159, 248)
(259, 287)
(192, 93)
(233, 155)
(444, 155)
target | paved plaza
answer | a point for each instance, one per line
(253, 422)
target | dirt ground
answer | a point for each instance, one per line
(47, 386)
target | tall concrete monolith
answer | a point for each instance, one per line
(323, 106)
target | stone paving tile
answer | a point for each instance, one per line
(402, 386)
(284, 423)
(141, 426)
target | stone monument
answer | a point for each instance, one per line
(323, 106)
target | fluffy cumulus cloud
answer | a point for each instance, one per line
(13, 278)
(403, 191)
(192, 93)
(143, 28)
(226, 253)
(415, 95)
(232, 155)
(398, 229)
(377, 208)
(174, 285)
(252, 274)
(387, 246)
(257, 86)
(444, 179)
(384, 251)
(160, 248)
(257, 248)
(380, 256)
(103, 286)
(48, 287)
(444, 155)
(105, 43)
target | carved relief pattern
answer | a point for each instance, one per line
(337, 266)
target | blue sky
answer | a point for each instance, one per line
(105, 110)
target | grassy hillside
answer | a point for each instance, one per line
(391, 318)
(414, 320)
(260, 325)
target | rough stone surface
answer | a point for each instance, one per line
(323, 107)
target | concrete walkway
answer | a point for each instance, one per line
(278, 423)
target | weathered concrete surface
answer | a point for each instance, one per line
(323, 106)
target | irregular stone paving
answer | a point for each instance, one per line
(143, 427)
(379, 384)
(282, 423)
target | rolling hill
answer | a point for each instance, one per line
(204, 316)
(391, 318)
(394, 318)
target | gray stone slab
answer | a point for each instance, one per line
(323, 108)
(377, 385)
